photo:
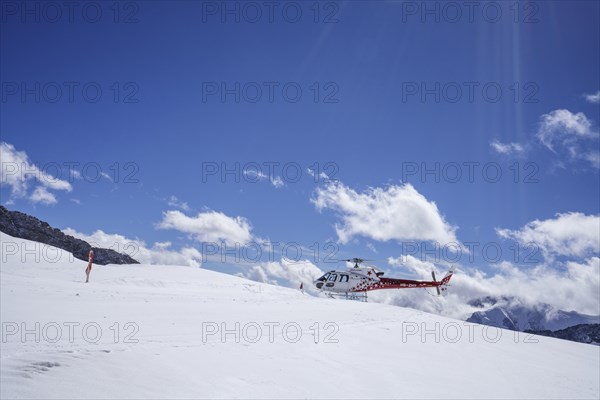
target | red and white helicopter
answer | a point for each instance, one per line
(355, 282)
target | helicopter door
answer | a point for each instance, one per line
(338, 282)
(344, 282)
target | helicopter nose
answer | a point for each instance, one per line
(318, 284)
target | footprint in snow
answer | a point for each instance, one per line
(41, 366)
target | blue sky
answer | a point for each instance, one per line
(385, 87)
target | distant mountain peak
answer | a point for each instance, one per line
(515, 314)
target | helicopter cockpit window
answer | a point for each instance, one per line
(324, 277)
(333, 277)
(344, 278)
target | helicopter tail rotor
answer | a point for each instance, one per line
(439, 292)
(444, 283)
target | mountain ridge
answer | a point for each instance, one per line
(514, 314)
(25, 226)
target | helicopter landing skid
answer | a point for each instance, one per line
(362, 296)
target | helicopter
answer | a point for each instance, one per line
(355, 282)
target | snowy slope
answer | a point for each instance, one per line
(381, 351)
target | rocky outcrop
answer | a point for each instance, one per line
(582, 333)
(20, 225)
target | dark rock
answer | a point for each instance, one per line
(20, 225)
(582, 333)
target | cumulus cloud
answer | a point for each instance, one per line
(209, 226)
(593, 98)
(562, 126)
(419, 267)
(508, 149)
(43, 196)
(17, 172)
(570, 135)
(160, 253)
(570, 234)
(285, 272)
(574, 287)
(567, 285)
(382, 214)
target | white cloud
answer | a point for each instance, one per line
(571, 134)
(371, 247)
(42, 195)
(593, 157)
(511, 148)
(256, 175)
(17, 172)
(571, 288)
(566, 285)
(570, 234)
(322, 175)
(392, 213)
(285, 272)
(421, 268)
(209, 226)
(563, 126)
(593, 98)
(160, 253)
(173, 201)
(277, 182)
